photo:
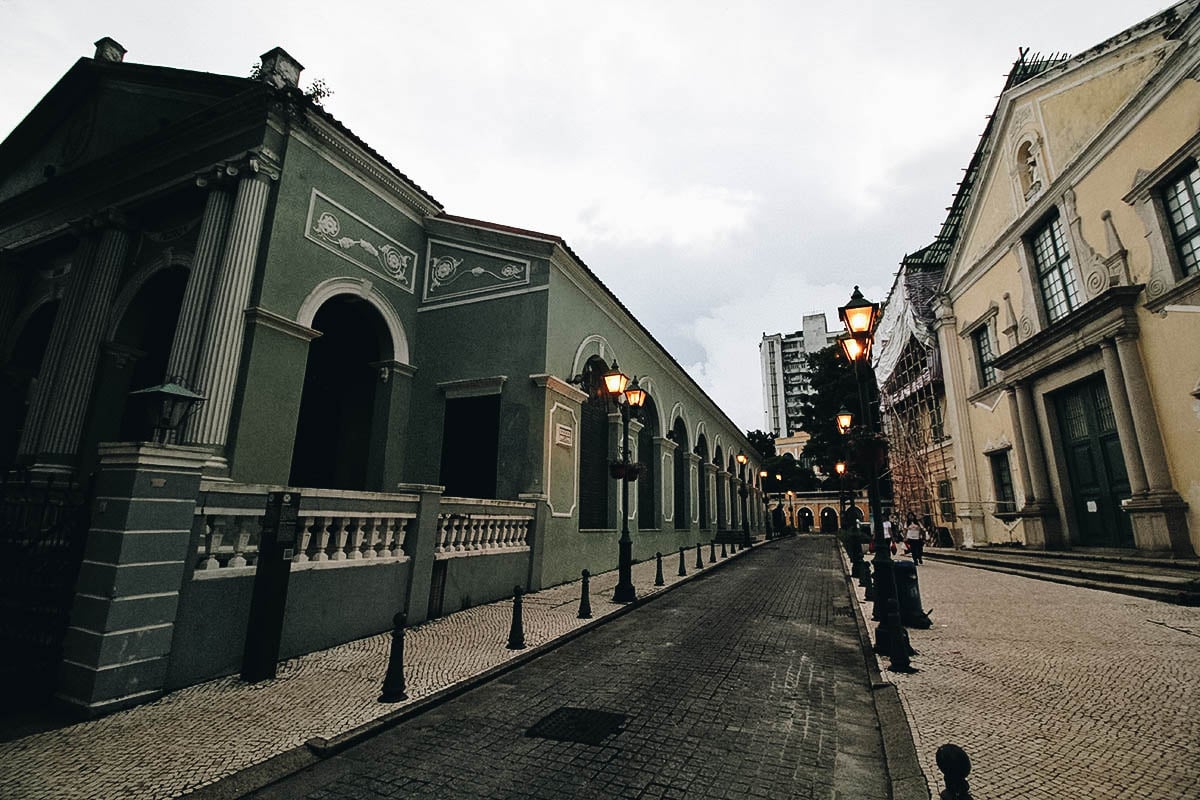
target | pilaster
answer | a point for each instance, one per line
(419, 546)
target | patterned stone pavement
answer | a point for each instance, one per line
(1054, 691)
(196, 736)
(748, 684)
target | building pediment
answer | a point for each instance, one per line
(98, 108)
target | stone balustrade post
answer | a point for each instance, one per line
(117, 648)
(420, 546)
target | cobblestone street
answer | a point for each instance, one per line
(1055, 691)
(748, 683)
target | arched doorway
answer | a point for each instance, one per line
(702, 482)
(735, 508)
(593, 448)
(337, 405)
(829, 520)
(806, 519)
(647, 508)
(682, 514)
(17, 378)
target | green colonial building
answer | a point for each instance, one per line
(428, 385)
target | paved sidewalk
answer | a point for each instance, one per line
(1054, 691)
(196, 736)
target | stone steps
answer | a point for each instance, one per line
(1168, 580)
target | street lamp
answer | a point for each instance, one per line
(762, 480)
(844, 420)
(629, 398)
(744, 491)
(840, 469)
(860, 316)
(167, 406)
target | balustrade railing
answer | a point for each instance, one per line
(331, 527)
(336, 528)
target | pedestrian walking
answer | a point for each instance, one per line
(914, 537)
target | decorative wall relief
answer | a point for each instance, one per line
(457, 271)
(343, 232)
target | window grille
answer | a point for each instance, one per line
(1183, 208)
(1056, 276)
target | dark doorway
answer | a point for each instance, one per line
(647, 511)
(682, 515)
(806, 519)
(18, 375)
(829, 520)
(1095, 464)
(147, 330)
(333, 434)
(470, 446)
(593, 448)
(702, 485)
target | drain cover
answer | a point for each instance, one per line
(583, 725)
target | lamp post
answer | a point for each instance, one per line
(840, 469)
(792, 511)
(744, 491)
(860, 316)
(629, 398)
(762, 480)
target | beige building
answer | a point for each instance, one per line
(1069, 318)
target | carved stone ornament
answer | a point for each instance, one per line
(455, 270)
(354, 239)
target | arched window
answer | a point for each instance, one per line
(593, 448)
(648, 513)
(702, 451)
(722, 490)
(682, 515)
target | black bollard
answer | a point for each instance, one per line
(682, 569)
(724, 552)
(585, 600)
(658, 576)
(955, 765)
(516, 634)
(712, 551)
(394, 689)
(699, 558)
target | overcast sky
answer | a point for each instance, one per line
(724, 167)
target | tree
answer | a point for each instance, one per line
(763, 442)
(834, 387)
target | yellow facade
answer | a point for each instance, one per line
(1085, 434)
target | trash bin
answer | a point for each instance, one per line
(908, 592)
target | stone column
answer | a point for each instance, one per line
(220, 354)
(709, 471)
(76, 289)
(958, 421)
(194, 308)
(1115, 382)
(635, 427)
(1034, 451)
(118, 645)
(1014, 413)
(665, 451)
(72, 387)
(1158, 515)
(1145, 421)
(723, 489)
(693, 471)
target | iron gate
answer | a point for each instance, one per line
(43, 527)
